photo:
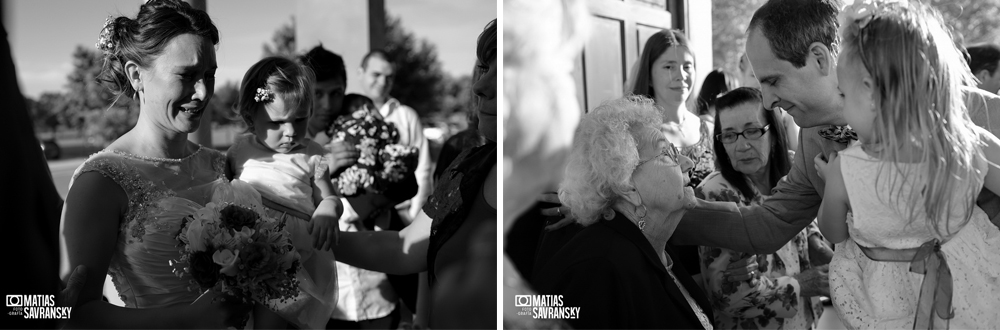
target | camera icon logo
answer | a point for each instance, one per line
(14, 300)
(522, 300)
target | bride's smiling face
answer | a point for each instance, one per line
(178, 83)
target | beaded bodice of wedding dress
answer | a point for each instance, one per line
(161, 192)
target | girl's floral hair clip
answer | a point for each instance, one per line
(105, 42)
(263, 95)
(863, 11)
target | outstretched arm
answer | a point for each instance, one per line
(758, 229)
(323, 226)
(393, 252)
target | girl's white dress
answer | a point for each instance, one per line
(875, 294)
(286, 179)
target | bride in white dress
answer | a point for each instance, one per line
(117, 218)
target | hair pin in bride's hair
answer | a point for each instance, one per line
(105, 42)
(264, 95)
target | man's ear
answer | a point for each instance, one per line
(820, 56)
(133, 75)
(983, 75)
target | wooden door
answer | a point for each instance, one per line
(618, 31)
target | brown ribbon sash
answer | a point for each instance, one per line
(934, 304)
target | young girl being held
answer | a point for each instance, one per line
(293, 177)
(917, 252)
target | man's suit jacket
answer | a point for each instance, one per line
(611, 272)
(795, 201)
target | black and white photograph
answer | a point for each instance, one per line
(761, 164)
(264, 164)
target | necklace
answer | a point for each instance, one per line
(156, 159)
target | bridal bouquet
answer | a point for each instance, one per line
(381, 159)
(233, 247)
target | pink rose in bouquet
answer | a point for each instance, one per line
(382, 159)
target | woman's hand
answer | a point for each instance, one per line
(822, 164)
(814, 282)
(744, 269)
(557, 211)
(69, 293)
(215, 310)
(342, 156)
(323, 226)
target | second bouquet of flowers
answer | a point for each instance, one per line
(382, 159)
(231, 246)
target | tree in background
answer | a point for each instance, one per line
(972, 21)
(420, 82)
(48, 111)
(456, 94)
(730, 20)
(223, 104)
(283, 41)
(89, 106)
(83, 90)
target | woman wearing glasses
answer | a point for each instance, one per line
(764, 291)
(626, 185)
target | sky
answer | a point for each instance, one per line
(43, 33)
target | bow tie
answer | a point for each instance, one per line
(839, 134)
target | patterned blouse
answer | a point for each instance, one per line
(701, 154)
(771, 302)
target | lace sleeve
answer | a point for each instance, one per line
(138, 190)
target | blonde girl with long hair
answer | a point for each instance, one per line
(916, 252)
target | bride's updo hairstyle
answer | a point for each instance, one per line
(141, 39)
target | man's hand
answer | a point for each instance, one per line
(342, 156)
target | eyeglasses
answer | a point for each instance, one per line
(749, 134)
(670, 151)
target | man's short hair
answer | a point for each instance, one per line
(984, 57)
(326, 64)
(790, 26)
(375, 53)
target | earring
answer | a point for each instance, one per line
(642, 217)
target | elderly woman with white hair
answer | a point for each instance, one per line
(626, 184)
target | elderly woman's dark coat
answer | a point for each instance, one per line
(614, 275)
